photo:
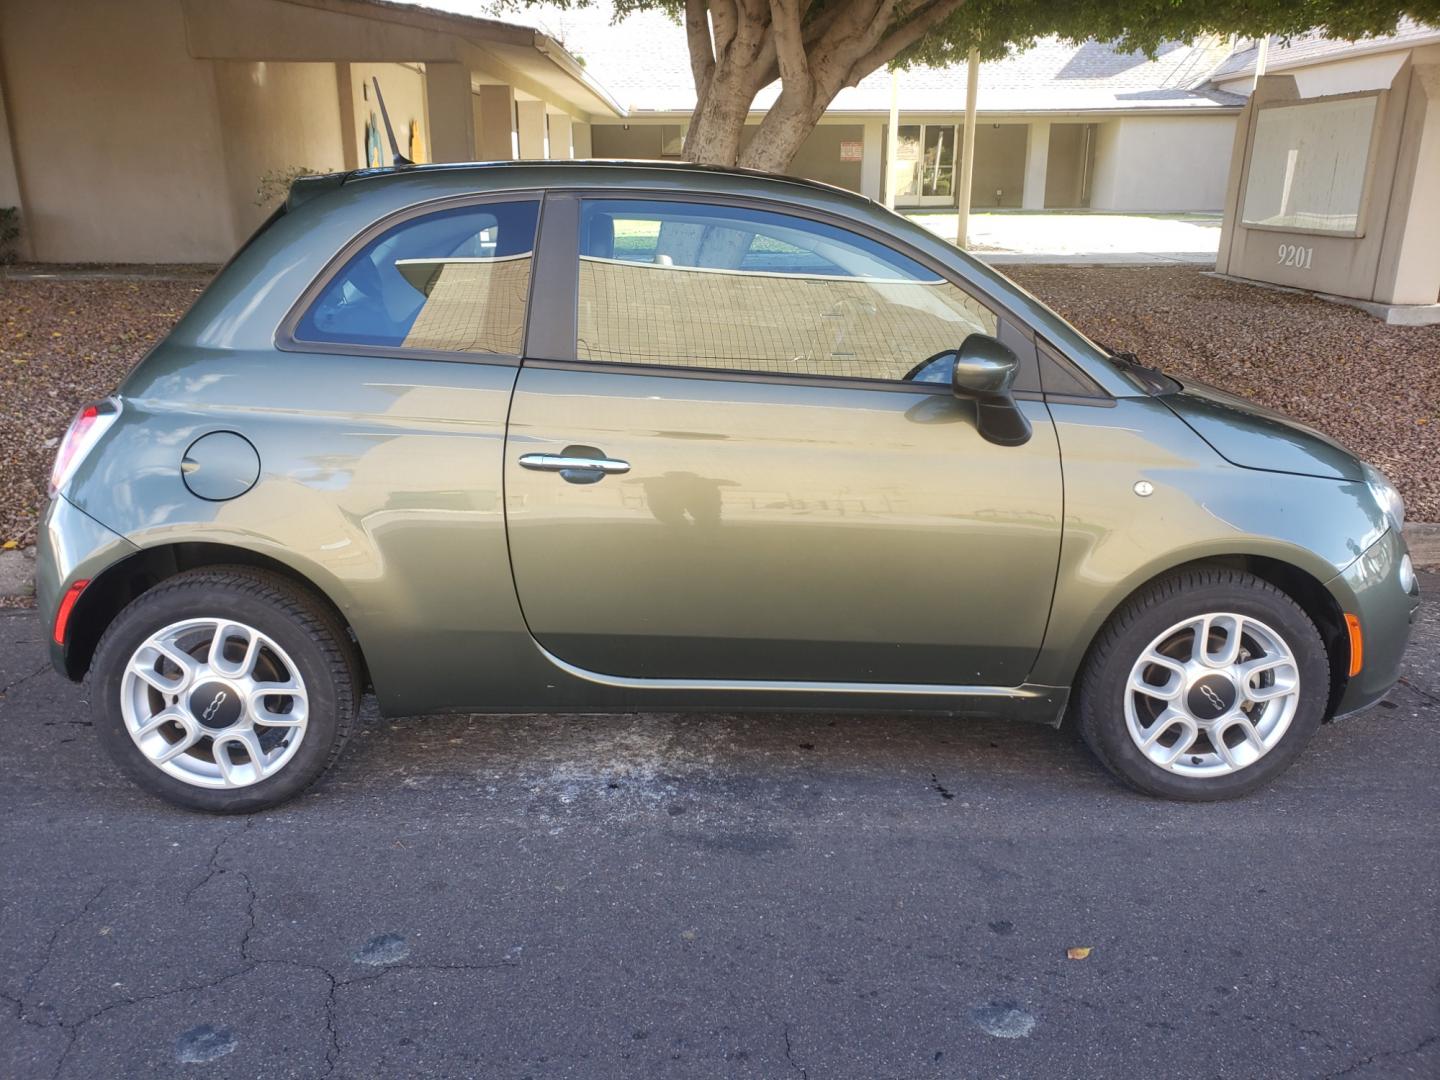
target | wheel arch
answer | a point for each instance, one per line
(1301, 586)
(134, 575)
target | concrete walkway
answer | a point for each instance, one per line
(1085, 238)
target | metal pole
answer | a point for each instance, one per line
(967, 149)
(892, 139)
(1262, 57)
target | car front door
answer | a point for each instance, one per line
(736, 456)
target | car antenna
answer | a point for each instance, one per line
(400, 159)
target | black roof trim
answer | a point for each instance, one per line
(603, 163)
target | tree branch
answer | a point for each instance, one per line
(724, 17)
(790, 45)
(702, 49)
(856, 21)
(925, 19)
(815, 28)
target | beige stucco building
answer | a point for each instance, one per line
(141, 131)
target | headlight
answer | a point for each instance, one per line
(1386, 495)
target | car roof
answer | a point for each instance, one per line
(479, 176)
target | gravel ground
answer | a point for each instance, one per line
(66, 340)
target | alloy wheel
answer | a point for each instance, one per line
(1212, 695)
(214, 703)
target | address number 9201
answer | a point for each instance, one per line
(1296, 255)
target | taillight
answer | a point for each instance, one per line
(85, 430)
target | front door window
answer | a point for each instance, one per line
(709, 286)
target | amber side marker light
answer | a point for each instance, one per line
(1357, 644)
(67, 605)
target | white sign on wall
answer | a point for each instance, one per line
(1309, 164)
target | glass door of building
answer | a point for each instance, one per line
(925, 158)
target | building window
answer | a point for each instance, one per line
(672, 141)
(708, 286)
(453, 281)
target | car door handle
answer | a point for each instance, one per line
(565, 463)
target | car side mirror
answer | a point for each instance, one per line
(985, 370)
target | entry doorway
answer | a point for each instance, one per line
(926, 157)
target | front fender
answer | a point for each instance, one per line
(1372, 589)
(1202, 507)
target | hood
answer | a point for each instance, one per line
(1255, 437)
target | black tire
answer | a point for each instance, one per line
(313, 637)
(1100, 702)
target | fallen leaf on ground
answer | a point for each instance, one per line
(1079, 952)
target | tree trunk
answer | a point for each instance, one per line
(781, 134)
(738, 47)
(718, 123)
(717, 130)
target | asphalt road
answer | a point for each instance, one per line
(721, 896)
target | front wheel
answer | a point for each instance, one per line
(1205, 686)
(228, 690)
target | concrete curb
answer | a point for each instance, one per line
(17, 568)
(17, 572)
(1390, 314)
(1106, 258)
(1423, 538)
(200, 272)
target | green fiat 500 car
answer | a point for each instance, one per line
(630, 436)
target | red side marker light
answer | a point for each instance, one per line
(67, 605)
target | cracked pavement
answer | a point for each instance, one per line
(720, 896)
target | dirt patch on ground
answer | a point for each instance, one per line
(66, 340)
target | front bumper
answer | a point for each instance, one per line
(1370, 589)
(72, 547)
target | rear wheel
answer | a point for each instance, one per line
(1205, 686)
(227, 690)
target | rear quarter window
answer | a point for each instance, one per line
(452, 281)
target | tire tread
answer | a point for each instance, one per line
(1090, 713)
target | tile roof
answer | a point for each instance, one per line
(1312, 47)
(1056, 76)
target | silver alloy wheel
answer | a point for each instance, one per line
(1212, 695)
(214, 703)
